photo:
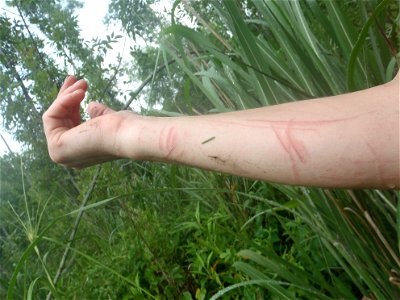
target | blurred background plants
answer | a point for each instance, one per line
(148, 230)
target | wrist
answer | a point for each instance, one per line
(141, 138)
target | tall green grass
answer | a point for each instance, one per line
(171, 232)
(278, 51)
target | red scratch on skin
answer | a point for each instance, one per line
(301, 123)
(170, 137)
(287, 149)
(297, 145)
(281, 139)
(378, 163)
(161, 139)
(167, 140)
(292, 146)
(171, 141)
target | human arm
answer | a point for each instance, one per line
(349, 141)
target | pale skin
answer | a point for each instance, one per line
(345, 141)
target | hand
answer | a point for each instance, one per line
(80, 145)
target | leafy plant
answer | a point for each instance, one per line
(282, 51)
(139, 230)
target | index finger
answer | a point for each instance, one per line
(61, 107)
(69, 80)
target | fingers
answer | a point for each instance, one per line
(63, 105)
(97, 109)
(69, 80)
(70, 95)
(71, 87)
(71, 84)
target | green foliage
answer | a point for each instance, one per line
(170, 232)
(282, 51)
(137, 18)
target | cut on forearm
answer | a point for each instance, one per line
(346, 141)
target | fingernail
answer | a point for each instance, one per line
(68, 76)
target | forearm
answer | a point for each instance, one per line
(331, 142)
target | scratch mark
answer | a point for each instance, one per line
(286, 146)
(299, 125)
(171, 141)
(378, 162)
(292, 146)
(302, 123)
(170, 138)
(296, 144)
(161, 139)
(217, 159)
(167, 140)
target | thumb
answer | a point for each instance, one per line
(97, 109)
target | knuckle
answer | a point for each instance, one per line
(55, 157)
(44, 116)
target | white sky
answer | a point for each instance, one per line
(90, 19)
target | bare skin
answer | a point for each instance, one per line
(346, 141)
